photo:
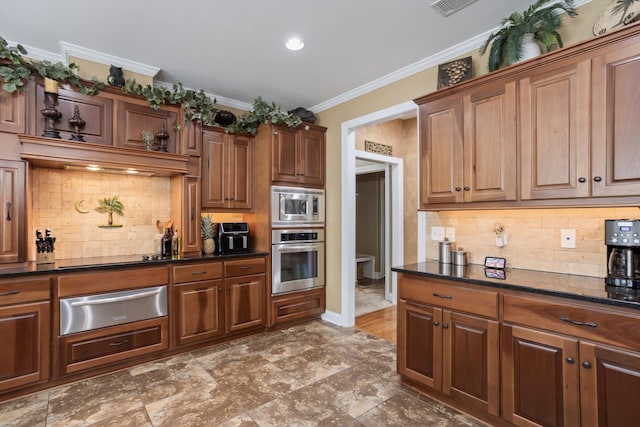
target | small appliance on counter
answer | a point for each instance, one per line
(622, 237)
(233, 237)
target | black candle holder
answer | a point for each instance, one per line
(51, 115)
(77, 123)
(163, 136)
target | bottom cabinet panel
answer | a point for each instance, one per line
(540, 378)
(297, 306)
(245, 302)
(199, 312)
(91, 349)
(610, 386)
(420, 343)
(471, 360)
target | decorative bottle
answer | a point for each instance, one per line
(166, 244)
(175, 244)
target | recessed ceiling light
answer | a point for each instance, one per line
(294, 44)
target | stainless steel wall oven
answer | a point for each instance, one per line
(297, 260)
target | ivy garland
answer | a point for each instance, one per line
(16, 68)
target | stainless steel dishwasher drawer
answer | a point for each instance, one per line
(97, 311)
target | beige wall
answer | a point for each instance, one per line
(421, 83)
(56, 192)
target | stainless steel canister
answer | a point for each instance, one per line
(459, 257)
(445, 251)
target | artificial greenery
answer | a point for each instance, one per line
(542, 19)
(16, 68)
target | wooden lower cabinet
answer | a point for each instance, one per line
(199, 311)
(297, 306)
(25, 331)
(246, 304)
(455, 353)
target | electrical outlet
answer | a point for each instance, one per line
(437, 234)
(568, 238)
(450, 233)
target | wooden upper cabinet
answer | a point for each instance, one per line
(132, 119)
(192, 138)
(554, 131)
(615, 124)
(468, 147)
(12, 112)
(298, 155)
(227, 165)
(12, 211)
(191, 237)
(96, 111)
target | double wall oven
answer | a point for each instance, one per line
(297, 239)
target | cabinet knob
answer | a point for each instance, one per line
(597, 178)
(586, 365)
(582, 179)
(445, 326)
(220, 289)
(458, 188)
(570, 360)
(436, 323)
(466, 188)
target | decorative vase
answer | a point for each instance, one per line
(530, 48)
(209, 246)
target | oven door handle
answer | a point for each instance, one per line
(290, 249)
(116, 299)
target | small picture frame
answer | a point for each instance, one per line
(495, 273)
(451, 73)
(495, 262)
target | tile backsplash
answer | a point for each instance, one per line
(56, 193)
(533, 237)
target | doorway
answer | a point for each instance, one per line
(348, 217)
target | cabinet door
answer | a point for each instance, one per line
(616, 107)
(554, 132)
(240, 172)
(283, 149)
(610, 386)
(470, 362)
(191, 236)
(192, 138)
(311, 157)
(490, 144)
(420, 343)
(214, 170)
(441, 133)
(12, 207)
(134, 118)
(199, 311)
(24, 354)
(245, 302)
(539, 378)
(12, 112)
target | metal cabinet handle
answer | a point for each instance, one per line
(4, 294)
(8, 211)
(466, 188)
(458, 188)
(582, 179)
(597, 178)
(586, 365)
(193, 213)
(198, 273)
(436, 323)
(246, 267)
(445, 326)
(579, 323)
(435, 294)
(119, 343)
(116, 299)
(570, 360)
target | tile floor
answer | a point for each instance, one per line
(308, 375)
(370, 296)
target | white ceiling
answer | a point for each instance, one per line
(234, 49)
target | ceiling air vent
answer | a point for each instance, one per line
(447, 7)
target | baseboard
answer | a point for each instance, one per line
(333, 317)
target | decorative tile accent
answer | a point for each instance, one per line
(376, 147)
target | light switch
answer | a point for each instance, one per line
(437, 234)
(568, 238)
(450, 233)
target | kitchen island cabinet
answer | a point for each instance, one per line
(25, 311)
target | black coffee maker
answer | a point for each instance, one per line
(622, 237)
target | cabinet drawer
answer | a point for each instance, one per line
(444, 294)
(105, 281)
(27, 290)
(297, 306)
(576, 319)
(243, 267)
(197, 272)
(108, 345)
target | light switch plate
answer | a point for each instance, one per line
(568, 238)
(437, 234)
(450, 233)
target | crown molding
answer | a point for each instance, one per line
(221, 100)
(39, 54)
(69, 49)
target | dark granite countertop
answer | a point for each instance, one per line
(583, 288)
(111, 262)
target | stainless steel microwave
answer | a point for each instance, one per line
(296, 206)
